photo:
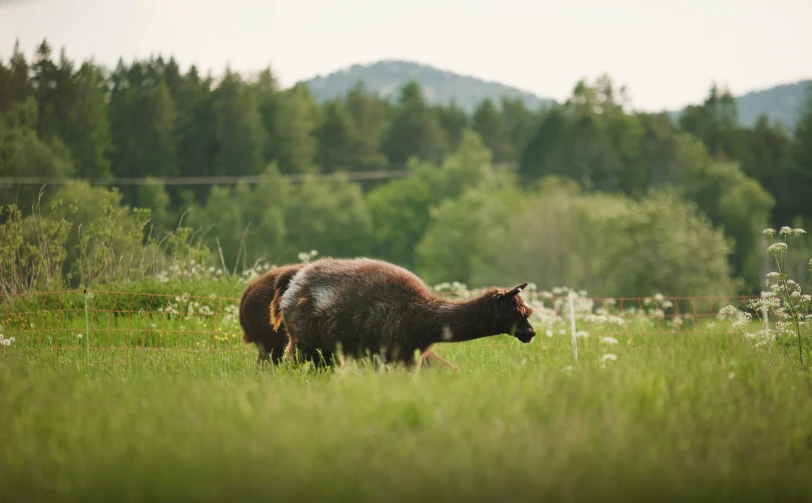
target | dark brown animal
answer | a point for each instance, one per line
(262, 323)
(363, 307)
(255, 318)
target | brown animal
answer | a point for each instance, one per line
(264, 327)
(368, 307)
(255, 303)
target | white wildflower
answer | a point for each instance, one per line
(731, 375)
(78, 336)
(769, 232)
(609, 340)
(777, 249)
(608, 356)
(549, 333)
(6, 342)
(12, 339)
(785, 230)
(581, 333)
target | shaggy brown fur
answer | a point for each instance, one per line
(255, 319)
(261, 318)
(370, 307)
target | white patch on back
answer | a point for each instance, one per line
(323, 297)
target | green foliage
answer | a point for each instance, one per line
(238, 128)
(147, 119)
(401, 209)
(451, 249)
(296, 116)
(414, 131)
(32, 251)
(557, 236)
(786, 303)
(492, 128)
(22, 153)
(330, 217)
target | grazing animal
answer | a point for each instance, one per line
(365, 307)
(255, 319)
(262, 323)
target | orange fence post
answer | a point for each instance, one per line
(87, 328)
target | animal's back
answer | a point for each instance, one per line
(360, 303)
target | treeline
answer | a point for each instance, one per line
(151, 119)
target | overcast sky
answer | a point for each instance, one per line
(667, 52)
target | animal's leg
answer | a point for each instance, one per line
(263, 355)
(430, 359)
(320, 359)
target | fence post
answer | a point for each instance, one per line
(765, 313)
(87, 327)
(572, 327)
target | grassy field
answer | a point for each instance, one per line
(699, 414)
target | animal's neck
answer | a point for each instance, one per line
(463, 321)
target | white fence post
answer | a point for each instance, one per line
(572, 327)
(765, 313)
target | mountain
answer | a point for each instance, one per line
(387, 78)
(781, 103)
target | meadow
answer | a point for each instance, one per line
(161, 401)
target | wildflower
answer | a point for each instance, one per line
(608, 356)
(769, 232)
(609, 340)
(581, 333)
(78, 336)
(731, 375)
(549, 333)
(6, 342)
(777, 248)
(785, 230)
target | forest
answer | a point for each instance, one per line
(587, 193)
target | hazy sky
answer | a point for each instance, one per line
(667, 52)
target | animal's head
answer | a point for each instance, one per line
(513, 314)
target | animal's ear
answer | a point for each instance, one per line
(516, 291)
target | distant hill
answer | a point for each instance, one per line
(782, 103)
(387, 78)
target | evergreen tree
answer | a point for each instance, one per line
(414, 131)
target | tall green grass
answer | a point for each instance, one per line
(697, 415)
